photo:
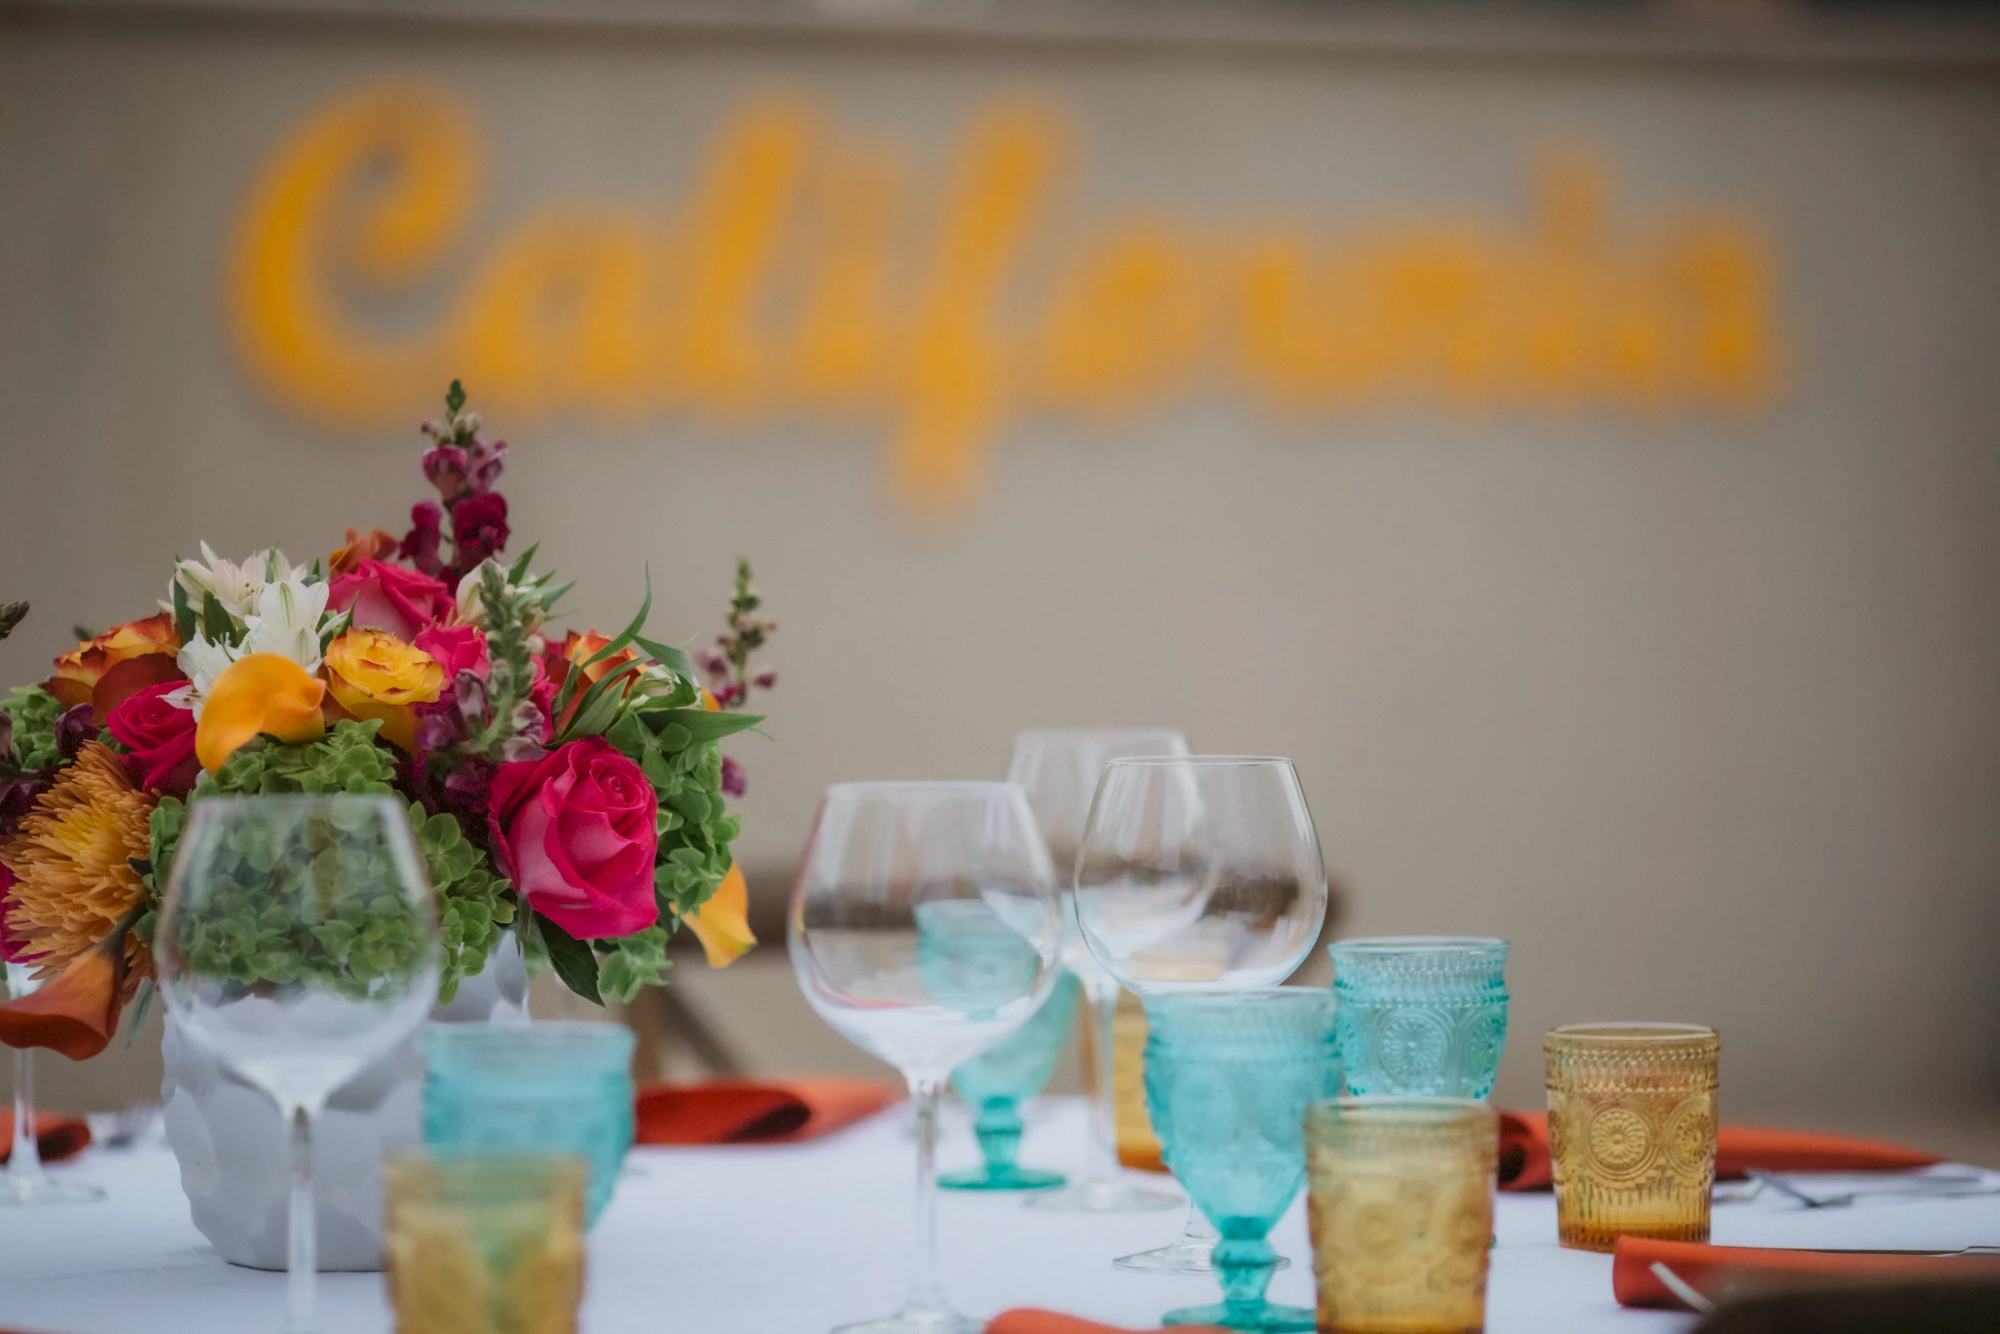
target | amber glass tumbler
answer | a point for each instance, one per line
(1401, 1213)
(1632, 1131)
(484, 1243)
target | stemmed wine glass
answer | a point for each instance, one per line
(925, 928)
(1059, 768)
(298, 942)
(1198, 873)
(23, 1182)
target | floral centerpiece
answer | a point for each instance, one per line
(569, 788)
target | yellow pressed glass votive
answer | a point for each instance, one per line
(1138, 1145)
(1632, 1131)
(484, 1243)
(1401, 1212)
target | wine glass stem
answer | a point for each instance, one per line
(1101, 998)
(302, 1254)
(25, 1160)
(925, 1294)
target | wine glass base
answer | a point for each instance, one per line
(41, 1190)
(917, 1320)
(1261, 1318)
(1002, 1178)
(1183, 1257)
(1104, 1197)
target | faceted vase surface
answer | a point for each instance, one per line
(231, 1143)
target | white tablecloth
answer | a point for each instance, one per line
(794, 1239)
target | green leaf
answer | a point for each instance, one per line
(519, 569)
(573, 960)
(183, 613)
(216, 627)
(669, 657)
(701, 724)
(454, 398)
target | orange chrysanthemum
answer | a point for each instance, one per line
(71, 860)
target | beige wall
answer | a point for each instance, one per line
(1701, 712)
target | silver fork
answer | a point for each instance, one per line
(1941, 1188)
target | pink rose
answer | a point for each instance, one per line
(388, 597)
(575, 832)
(456, 648)
(160, 737)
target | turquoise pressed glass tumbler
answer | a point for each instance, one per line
(548, 1087)
(1229, 1076)
(996, 1083)
(1421, 1016)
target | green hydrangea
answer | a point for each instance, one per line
(35, 713)
(244, 939)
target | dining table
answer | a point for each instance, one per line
(797, 1238)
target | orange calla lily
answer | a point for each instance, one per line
(261, 693)
(76, 1012)
(722, 924)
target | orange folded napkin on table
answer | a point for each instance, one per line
(1027, 1320)
(742, 1111)
(1524, 1152)
(1714, 1270)
(56, 1135)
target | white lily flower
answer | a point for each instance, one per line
(203, 661)
(287, 620)
(235, 586)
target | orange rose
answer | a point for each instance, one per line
(377, 545)
(577, 648)
(119, 663)
(373, 674)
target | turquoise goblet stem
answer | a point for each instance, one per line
(996, 1083)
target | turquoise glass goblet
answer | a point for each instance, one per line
(1229, 1076)
(1421, 1016)
(994, 1086)
(550, 1087)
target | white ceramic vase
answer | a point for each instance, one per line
(231, 1142)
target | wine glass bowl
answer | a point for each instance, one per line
(925, 927)
(1200, 873)
(298, 941)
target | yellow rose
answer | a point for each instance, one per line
(373, 674)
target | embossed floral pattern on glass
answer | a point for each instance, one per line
(1229, 1076)
(1632, 1131)
(484, 1244)
(1421, 1015)
(1401, 1213)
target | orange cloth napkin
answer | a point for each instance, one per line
(1524, 1152)
(1027, 1320)
(1711, 1269)
(56, 1135)
(741, 1111)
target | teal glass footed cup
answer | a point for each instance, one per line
(1421, 1016)
(546, 1087)
(996, 1083)
(1229, 1076)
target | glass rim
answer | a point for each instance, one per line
(471, 1158)
(1201, 761)
(1636, 1033)
(1402, 1108)
(1281, 992)
(936, 786)
(223, 800)
(543, 1032)
(1049, 733)
(1391, 945)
